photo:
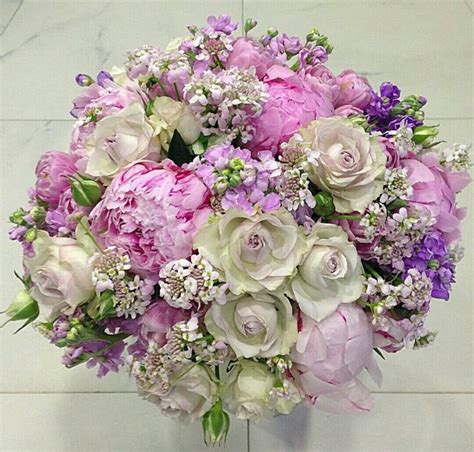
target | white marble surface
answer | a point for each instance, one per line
(47, 42)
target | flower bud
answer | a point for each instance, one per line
(324, 204)
(215, 425)
(85, 192)
(221, 186)
(38, 214)
(31, 234)
(250, 24)
(102, 76)
(236, 164)
(102, 306)
(18, 217)
(84, 80)
(313, 35)
(424, 134)
(272, 32)
(22, 307)
(234, 180)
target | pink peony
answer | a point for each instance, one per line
(152, 211)
(390, 150)
(354, 90)
(158, 319)
(330, 354)
(52, 172)
(435, 189)
(390, 334)
(321, 79)
(248, 53)
(347, 110)
(293, 104)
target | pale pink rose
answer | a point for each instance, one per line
(435, 189)
(293, 104)
(152, 211)
(158, 320)
(52, 172)
(247, 53)
(322, 80)
(354, 89)
(390, 150)
(330, 354)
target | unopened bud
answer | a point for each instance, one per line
(38, 214)
(215, 425)
(31, 234)
(324, 204)
(424, 134)
(85, 192)
(18, 217)
(272, 32)
(84, 80)
(250, 24)
(22, 307)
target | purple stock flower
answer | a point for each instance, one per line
(240, 180)
(109, 359)
(220, 24)
(84, 80)
(102, 78)
(431, 257)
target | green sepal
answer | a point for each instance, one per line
(86, 192)
(102, 306)
(324, 204)
(397, 204)
(215, 425)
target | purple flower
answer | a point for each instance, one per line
(220, 24)
(431, 257)
(240, 180)
(102, 78)
(109, 359)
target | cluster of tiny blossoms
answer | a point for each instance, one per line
(187, 283)
(294, 183)
(396, 185)
(401, 231)
(225, 101)
(186, 345)
(131, 296)
(236, 179)
(456, 158)
(399, 307)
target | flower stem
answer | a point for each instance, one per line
(89, 234)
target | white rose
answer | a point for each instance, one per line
(330, 274)
(190, 395)
(60, 273)
(248, 392)
(170, 115)
(260, 324)
(253, 253)
(349, 164)
(118, 140)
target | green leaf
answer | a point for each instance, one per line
(376, 350)
(31, 319)
(179, 151)
(396, 204)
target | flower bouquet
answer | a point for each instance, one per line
(239, 227)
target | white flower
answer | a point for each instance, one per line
(330, 274)
(350, 164)
(249, 392)
(188, 395)
(170, 115)
(118, 140)
(254, 253)
(61, 274)
(260, 324)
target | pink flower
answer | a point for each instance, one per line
(158, 319)
(330, 354)
(347, 110)
(321, 79)
(390, 150)
(63, 219)
(435, 189)
(356, 234)
(152, 211)
(354, 90)
(390, 334)
(52, 172)
(248, 53)
(293, 104)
